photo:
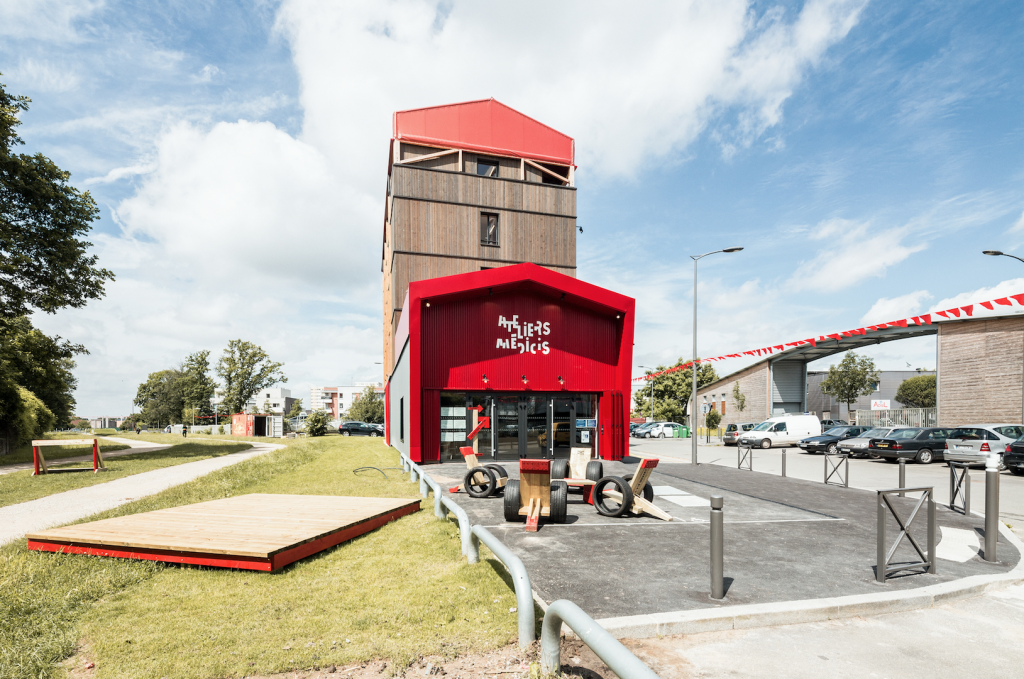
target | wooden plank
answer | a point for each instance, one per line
(63, 442)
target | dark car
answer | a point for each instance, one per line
(923, 445)
(1013, 457)
(829, 441)
(358, 429)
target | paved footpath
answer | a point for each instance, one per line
(61, 508)
(136, 448)
(976, 637)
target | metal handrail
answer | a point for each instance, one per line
(745, 457)
(833, 469)
(604, 645)
(520, 579)
(469, 547)
(960, 487)
(884, 554)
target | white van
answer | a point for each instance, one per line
(781, 430)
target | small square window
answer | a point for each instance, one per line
(486, 167)
(488, 229)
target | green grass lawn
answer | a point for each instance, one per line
(22, 486)
(396, 593)
(159, 437)
(24, 453)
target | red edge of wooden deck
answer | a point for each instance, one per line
(275, 563)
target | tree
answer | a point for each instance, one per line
(159, 398)
(43, 365)
(855, 376)
(43, 260)
(296, 408)
(672, 392)
(369, 407)
(316, 423)
(712, 419)
(738, 397)
(197, 386)
(245, 369)
(35, 419)
(917, 392)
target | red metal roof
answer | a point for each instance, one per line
(486, 125)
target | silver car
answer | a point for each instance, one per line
(734, 431)
(973, 443)
(858, 447)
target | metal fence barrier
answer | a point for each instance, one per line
(960, 487)
(609, 649)
(884, 552)
(745, 458)
(469, 546)
(520, 578)
(839, 469)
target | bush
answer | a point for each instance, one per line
(316, 423)
(220, 429)
(32, 418)
(713, 419)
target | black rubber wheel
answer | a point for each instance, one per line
(607, 506)
(477, 488)
(346, 433)
(595, 470)
(924, 456)
(832, 449)
(661, 435)
(499, 471)
(512, 502)
(1016, 471)
(766, 444)
(559, 501)
(559, 469)
(648, 488)
(373, 434)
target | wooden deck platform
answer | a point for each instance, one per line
(255, 532)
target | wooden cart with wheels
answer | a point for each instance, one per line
(481, 480)
(579, 472)
(534, 495)
(633, 492)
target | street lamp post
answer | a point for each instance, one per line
(997, 253)
(693, 396)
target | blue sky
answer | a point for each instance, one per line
(863, 153)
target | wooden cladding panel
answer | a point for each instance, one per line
(981, 371)
(411, 182)
(449, 162)
(411, 268)
(441, 228)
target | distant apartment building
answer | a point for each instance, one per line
(276, 400)
(106, 422)
(337, 400)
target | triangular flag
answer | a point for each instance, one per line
(778, 347)
(836, 337)
(812, 342)
(1003, 301)
(927, 318)
(969, 309)
(955, 312)
(1017, 298)
(987, 305)
(942, 313)
(902, 323)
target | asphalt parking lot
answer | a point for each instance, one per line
(785, 539)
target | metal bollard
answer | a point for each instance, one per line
(991, 506)
(903, 475)
(717, 537)
(783, 463)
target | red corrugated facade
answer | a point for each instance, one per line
(510, 323)
(487, 126)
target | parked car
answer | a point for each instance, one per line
(1013, 457)
(921, 444)
(782, 430)
(828, 424)
(829, 441)
(859, 446)
(973, 443)
(733, 431)
(663, 430)
(643, 428)
(355, 428)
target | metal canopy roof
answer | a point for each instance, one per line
(485, 125)
(828, 347)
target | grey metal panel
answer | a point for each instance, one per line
(398, 388)
(788, 382)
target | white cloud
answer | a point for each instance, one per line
(893, 309)
(119, 173)
(853, 253)
(1014, 286)
(45, 76)
(1018, 225)
(206, 74)
(50, 20)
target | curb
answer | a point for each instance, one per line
(815, 610)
